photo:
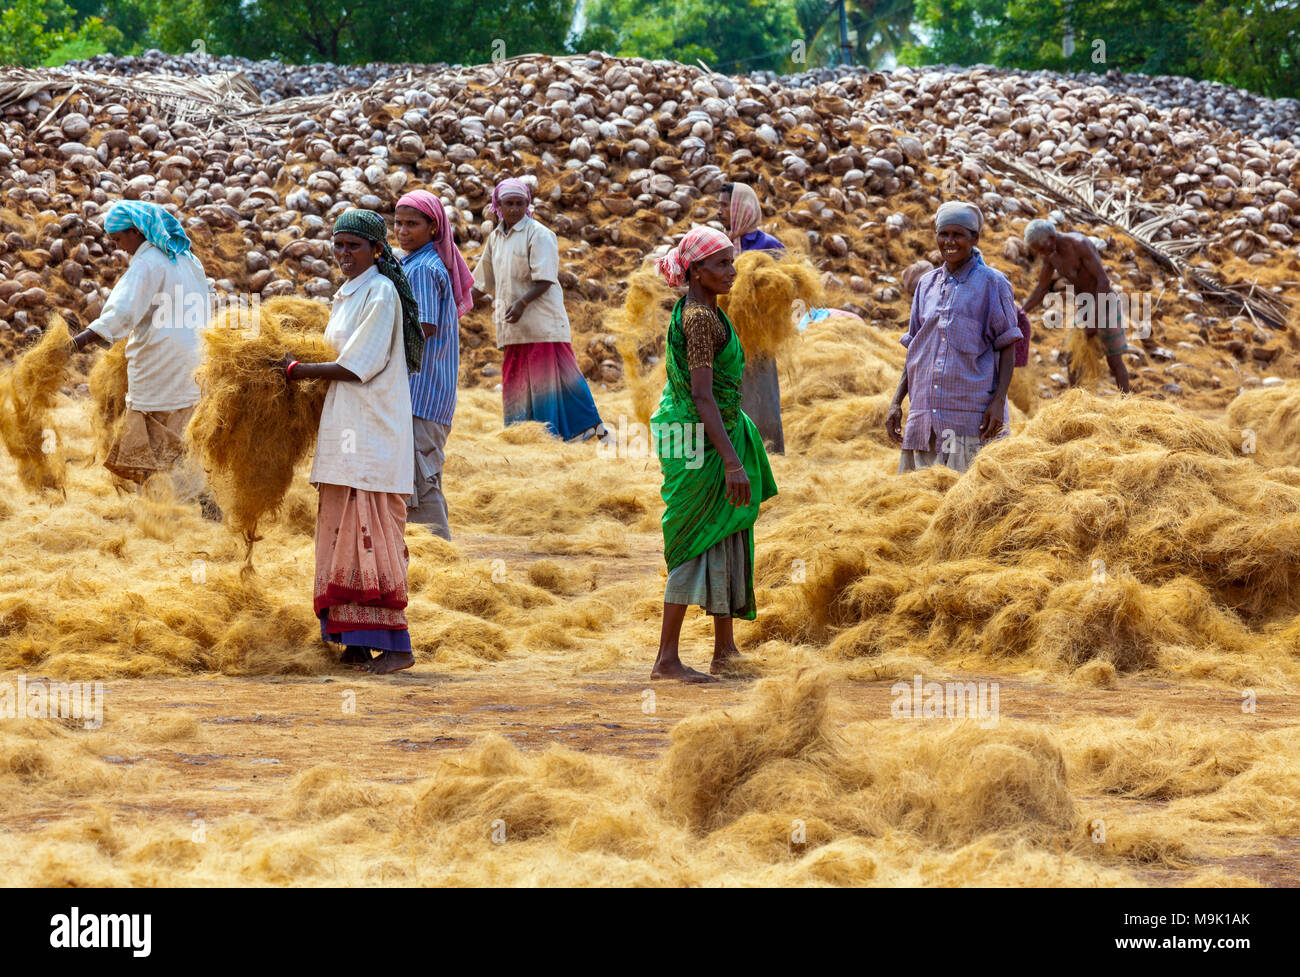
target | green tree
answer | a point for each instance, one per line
(728, 35)
(33, 31)
(1254, 44)
(1151, 36)
(357, 31)
(883, 28)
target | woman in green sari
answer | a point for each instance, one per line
(712, 490)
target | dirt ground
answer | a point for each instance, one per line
(258, 734)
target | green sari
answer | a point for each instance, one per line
(698, 513)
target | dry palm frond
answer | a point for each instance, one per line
(212, 98)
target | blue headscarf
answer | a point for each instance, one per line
(159, 228)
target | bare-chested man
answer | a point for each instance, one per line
(1073, 257)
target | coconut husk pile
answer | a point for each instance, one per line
(627, 154)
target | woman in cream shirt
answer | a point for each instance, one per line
(363, 467)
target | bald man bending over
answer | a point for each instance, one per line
(1073, 257)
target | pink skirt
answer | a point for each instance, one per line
(361, 561)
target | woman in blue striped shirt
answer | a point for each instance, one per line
(423, 233)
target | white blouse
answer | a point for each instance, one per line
(511, 261)
(365, 438)
(160, 307)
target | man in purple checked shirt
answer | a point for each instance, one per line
(961, 344)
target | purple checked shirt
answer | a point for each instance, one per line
(959, 324)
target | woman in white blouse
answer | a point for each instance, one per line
(363, 465)
(160, 306)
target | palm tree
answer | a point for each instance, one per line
(883, 26)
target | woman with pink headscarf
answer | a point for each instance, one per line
(520, 268)
(715, 467)
(442, 286)
(741, 213)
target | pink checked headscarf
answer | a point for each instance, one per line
(511, 188)
(699, 242)
(443, 242)
(745, 211)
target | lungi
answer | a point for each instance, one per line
(428, 505)
(542, 382)
(717, 580)
(149, 442)
(959, 454)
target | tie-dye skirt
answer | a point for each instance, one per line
(361, 561)
(542, 382)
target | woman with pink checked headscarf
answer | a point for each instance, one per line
(715, 467)
(520, 268)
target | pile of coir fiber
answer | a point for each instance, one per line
(1265, 421)
(27, 393)
(252, 426)
(1128, 531)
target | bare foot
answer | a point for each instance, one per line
(355, 656)
(723, 652)
(731, 664)
(391, 661)
(681, 673)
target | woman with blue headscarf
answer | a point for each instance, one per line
(159, 306)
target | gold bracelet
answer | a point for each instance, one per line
(732, 471)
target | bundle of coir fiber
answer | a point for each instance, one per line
(252, 426)
(303, 315)
(27, 392)
(642, 323)
(108, 396)
(770, 295)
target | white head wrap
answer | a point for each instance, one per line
(962, 214)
